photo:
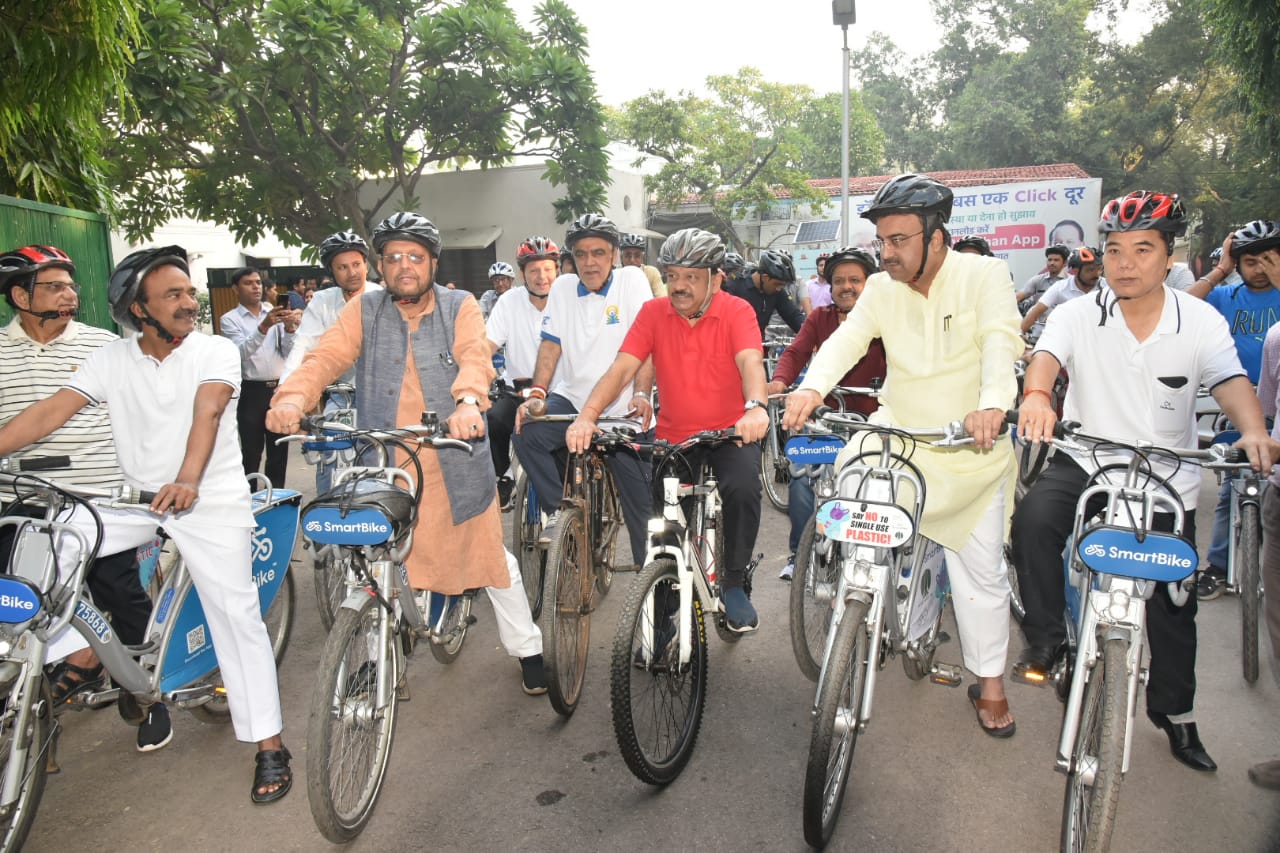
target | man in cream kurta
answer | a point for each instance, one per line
(950, 331)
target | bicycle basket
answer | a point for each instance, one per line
(360, 511)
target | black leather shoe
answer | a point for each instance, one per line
(1184, 742)
(1036, 663)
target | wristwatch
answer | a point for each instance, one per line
(471, 401)
(753, 404)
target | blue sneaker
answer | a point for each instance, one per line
(739, 615)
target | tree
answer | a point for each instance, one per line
(1247, 37)
(895, 91)
(65, 60)
(306, 116)
(736, 149)
(820, 129)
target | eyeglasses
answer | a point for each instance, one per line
(57, 288)
(397, 257)
(896, 240)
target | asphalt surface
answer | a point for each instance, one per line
(477, 765)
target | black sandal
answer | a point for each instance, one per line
(272, 769)
(70, 680)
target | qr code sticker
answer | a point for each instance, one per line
(195, 639)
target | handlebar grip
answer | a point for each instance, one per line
(818, 413)
(537, 407)
(311, 423)
(145, 496)
(42, 463)
(1234, 455)
(1061, 429)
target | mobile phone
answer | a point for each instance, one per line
(282, 300)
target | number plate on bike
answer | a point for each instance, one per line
(19, 601)
(1159, 557)
(329, 525)
(864, 522)
(814, 449)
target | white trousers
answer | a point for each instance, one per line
(519, 635)
(220, 562)
(980, 593)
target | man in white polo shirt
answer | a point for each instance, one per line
(1136, 351)
(168, 389)
(586, 318)
(1085, 267)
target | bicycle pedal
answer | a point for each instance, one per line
(943, 637)
(95, 700)
(1024, 674)
(946, 674)
(402, 690)
(470, 620)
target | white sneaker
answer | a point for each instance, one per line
(787, 571)
(549, 529)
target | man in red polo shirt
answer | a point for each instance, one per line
(706, 351)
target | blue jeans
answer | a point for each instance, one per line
(799, 509)
(1220, 543)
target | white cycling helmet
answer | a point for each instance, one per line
(502, 268)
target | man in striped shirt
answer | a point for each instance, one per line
(39, 350)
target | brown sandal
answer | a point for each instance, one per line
(995, 708)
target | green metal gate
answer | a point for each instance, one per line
(84, 236)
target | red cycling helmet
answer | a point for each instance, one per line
(18, 267)
(1145, 211)
(537, 249)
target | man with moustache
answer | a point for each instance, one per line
(705, 348)
(168, 389)
(849, 269)
(1085, 266)
(765, 290)
(429, 341)
(950, 330)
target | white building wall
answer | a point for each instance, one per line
(209, 246)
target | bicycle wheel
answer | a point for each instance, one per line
(835, 729)
(657, 702)
(37, 737)
(610, 525)
(1250, 585)
(712, 560)
(279, 622)
(1093, 783)
(453, 630)
(1016, 606)
(813, 586)
(526, 527)
(330, 583)
(350, 731)
(566, 614)
(775, 470)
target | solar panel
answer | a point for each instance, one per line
(818, 231)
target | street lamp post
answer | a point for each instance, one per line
(842, 14)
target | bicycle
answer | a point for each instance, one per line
(658, 667)
(527, 520)
(580, 560)
(370, 515)
(176, 665)
(775, 471)
(1113, 564)
(888, 595)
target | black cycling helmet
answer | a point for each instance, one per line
(18, 268)
(537, 249)
(919, 194)
(407, 226)
(1255, 238)
(122, 287)
(981, 246)
(1083, 256)
(1059, 250)
(733, 263)
(776, 264)
(633, 241)
(1145, 211)
(852, 255)
(591, 225)
(692, 247)
(336, 244)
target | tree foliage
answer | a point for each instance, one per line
(1247, 38)
(64, 62)
(748, 140)
(305, 116)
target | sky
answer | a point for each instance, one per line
(671, 45)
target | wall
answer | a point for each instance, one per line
(210, 246)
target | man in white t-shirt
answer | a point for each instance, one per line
(583, 325)
(169, 389)
(1085, 267)
(515, 326)
(1137, 351)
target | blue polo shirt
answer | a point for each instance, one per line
(1249, 314)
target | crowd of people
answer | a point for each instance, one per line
(592, 330)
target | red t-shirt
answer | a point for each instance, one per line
(699, 385)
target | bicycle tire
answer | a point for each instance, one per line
(775, 472)
(610, 525)
(348, 737)
(812, 584)
(330, 583)
(1016, 607)
(566, 612)
(657, 706)
(455, 627)
(1249, 582)
(717, 565)
(38, 734)
(279, 621)
(524, 544)
(835, 727)
(1089, 807)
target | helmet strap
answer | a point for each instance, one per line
(161, 331)
(706, 303)
(46, 316)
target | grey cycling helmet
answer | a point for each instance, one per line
(336, 244)
(851, 255)
(733, 263)
(1255, 238)
(776, 264)
(591, 225)
(692, 247)
(407, 226)
(502, 268)
(633, 241)
(122, 287)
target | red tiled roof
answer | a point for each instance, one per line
(868, 184)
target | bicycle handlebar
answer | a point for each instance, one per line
(15, 465)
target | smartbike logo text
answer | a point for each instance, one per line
(1151, 555)
(1155, 558)
(315, 526)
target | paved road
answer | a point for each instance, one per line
(478, 765)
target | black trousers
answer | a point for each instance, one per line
(251, 421)
(1041, 525)
(500, 420)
